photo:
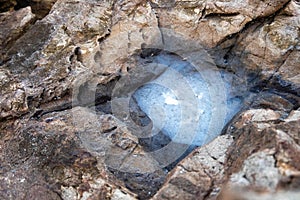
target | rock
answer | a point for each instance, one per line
(239, 195)
(262, 162)
(200, 174)
(41, 79)
(7, 5)
(265, 157)
(287, 77)
(126, 159)
(50, 145)
(253, 156)
(13, 24)
(61, 62)
(263, 47)
(39, 8)
(211, 22)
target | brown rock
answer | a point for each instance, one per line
(261, 157)
(199, 175)
(55, 157)
(52, 147)
(212, 21)
(39, 8)
(264, 156)
(267, 44)
(287, 77)
(13, 25)
(36, 78)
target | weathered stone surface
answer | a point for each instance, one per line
(41, 66)
(264, 156)
(74, 55)
(259, 154)
(212, 21)
(48, 153)
(264, 47)
(246, 195)
(39, 8)
(12, 25)
(199, 175)
(272, 45)
(126, 159)
(287, 77)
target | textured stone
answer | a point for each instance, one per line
(36, 78)
(57, 76)
(212, 21)
(287, 77)
(265, 157)
(257, 156)
(246, 195)
(39, 8)
(267, 44)
(200, 174)
(13, 25)
(63, 159)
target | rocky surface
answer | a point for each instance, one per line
(70, 159)
(61, 60)
(260, 153)
(200, 174)
(11, 31)
(40, 8)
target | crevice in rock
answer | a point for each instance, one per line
(219, 15)
(258, 22)
(14, 34)
(39, 8)
(158, 22)
(100, 40)
(227, 54)
(22, 4)
(143, 184)
(163, 4)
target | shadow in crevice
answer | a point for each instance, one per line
(39, 8)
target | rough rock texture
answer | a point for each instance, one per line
(60, 61)
(267, 156)
(53, 155)
(212, 21)
(200, 174)
(40, 7)
(13, 25)
(41, 66)
(260, 153)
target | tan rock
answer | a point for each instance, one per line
(211, 21)
(199, 175)
(74, 56)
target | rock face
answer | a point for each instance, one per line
(40, 8)
(200, 174)
(61, 65)
(260, 153)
